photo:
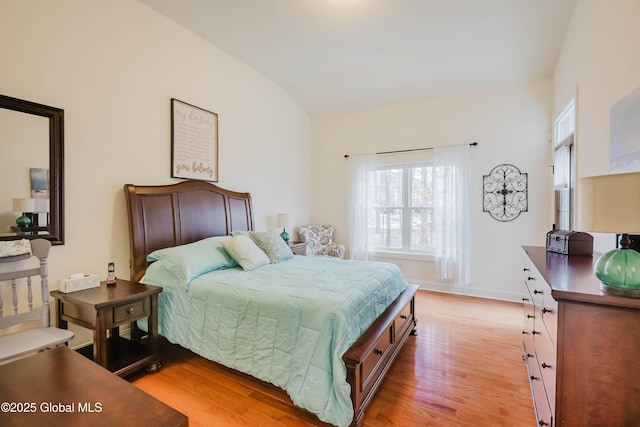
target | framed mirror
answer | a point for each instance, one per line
(31, 171)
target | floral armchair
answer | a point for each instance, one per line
(319, 239)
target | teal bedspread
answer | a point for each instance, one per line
(287, 323)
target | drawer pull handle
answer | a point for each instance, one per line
(404, 317)
(530, 316)
(533, 378)
(542, 423)
(131, 310)
(531, 278)
(525, 299)
(525, 333)
(535, 291)
(529, 355)
(544, 365)
(378, 351)
(535, 332)
(526, 269)
(546, 310)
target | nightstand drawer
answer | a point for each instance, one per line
(298, 248)
(129, 312)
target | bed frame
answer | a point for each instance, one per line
(176, 214)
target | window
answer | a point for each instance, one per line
(563, 167)
(403, 208)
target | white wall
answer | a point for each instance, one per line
(599, 60)
(510, 123)
(113, 66)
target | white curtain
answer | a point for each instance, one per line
(360, 202)
(451, 214)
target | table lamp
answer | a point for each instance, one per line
(23, 206)
(611, 204)
(282, 221)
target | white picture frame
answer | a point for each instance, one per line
(194, 142)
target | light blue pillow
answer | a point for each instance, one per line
(272, 244)
(189, 261)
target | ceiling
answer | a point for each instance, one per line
(334, 56)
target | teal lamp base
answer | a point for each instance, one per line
(619, 272)
(23, 221)
(285, 235)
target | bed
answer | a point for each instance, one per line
(337, 340)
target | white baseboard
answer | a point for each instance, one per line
(469, 291)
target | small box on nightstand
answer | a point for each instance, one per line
(72, 283)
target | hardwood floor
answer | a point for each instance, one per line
(463, 369)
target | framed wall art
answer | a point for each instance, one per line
(505, 193)
(194, 142)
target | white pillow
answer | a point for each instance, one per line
(245, 252)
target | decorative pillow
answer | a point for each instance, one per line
(272, 244)
(189, 261)
(246, 253)
(316, 236)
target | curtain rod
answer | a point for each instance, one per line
(346, 156)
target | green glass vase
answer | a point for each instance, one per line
(619, 271)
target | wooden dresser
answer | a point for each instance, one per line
(581, 345)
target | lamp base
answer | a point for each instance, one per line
(619, 272)
(616, 290)
(23, 221)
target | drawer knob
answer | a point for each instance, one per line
(544, 365)
(535, 332)
(542, 423)
(535, 291)
(525, 333)
(530, 316)
(526, 269)
(531, 278)
(546, 310)
(529, 355)
(403, 316)
(533, 378)
(378, 351)
(131, 310)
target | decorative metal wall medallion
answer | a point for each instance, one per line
(505, 193)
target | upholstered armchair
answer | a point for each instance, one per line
(319, 239)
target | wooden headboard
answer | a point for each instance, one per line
(170, 215)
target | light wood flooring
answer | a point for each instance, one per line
(463, 369)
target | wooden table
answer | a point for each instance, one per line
(104, 309)
(60, 387)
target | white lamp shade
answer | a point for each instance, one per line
(41, 205)
(283, 220)
(610, 203)
(24, 205)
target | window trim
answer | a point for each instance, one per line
(567, 141)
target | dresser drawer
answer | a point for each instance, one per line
(129, 312)
(376, 357)
(549, 313)
(544, 414)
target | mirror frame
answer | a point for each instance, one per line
(56, 165)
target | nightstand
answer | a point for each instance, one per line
(104, 309)
(298, 248)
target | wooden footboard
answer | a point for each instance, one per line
(370, 357)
